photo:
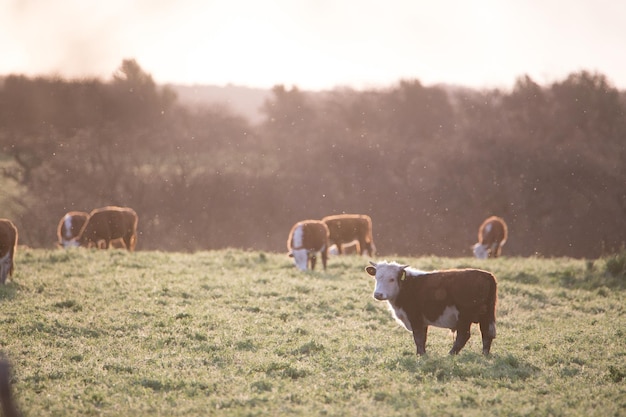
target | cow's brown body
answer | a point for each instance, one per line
(492, 235)
(306, 239)
(347, 228)
(452, 299)
(70, 226)
(108, 224)
(8, 245)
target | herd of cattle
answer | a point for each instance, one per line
(102, 228)
(307, 238)
(452, 299)
(114, 226)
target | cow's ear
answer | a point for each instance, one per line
(371, 270)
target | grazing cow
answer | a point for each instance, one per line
(346, 228)
(492, 235)
(8, 244)
(306, 238)
(69, 228)
(452, 299)
(108, 224)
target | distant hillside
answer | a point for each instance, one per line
(243, 100)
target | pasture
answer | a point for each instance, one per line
(244, 333)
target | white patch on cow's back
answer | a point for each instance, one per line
(448, 319)
(298, 237)
(488, 227)
(68, 226)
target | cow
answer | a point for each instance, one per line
(452, 299)
(109, 224)
(306, 239)
(346, 228)
(492, 235)
(69, 228)
(8, 245)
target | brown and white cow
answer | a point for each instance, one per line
(108, 224)
(306, 239)
(8, 245)
(452, 299)
(70, 226)
(492, 235)
(347, 228)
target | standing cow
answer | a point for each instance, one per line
(348, 228)
(110, 223)
(452, 299)
(8, 244)
(69, 228)
(492, 235)
(306, 239)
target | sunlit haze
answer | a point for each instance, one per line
(317, 44)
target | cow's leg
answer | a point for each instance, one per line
(324, 258)
(362, 247)
(494, 250)
(339, 247)
(488, 332)
(419, 336)
(313, 259)
(497, 249)
(462, 336)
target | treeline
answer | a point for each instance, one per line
(427, 163)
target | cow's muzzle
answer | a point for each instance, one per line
(379, 296)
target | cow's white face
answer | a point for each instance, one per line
(300, 257)
(73, 243)
(387, 277)
(68, 226)
(481, 251)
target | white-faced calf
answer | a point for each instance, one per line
(452, 299)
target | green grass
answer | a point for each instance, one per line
(241, 333)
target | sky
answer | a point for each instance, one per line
(317, 44)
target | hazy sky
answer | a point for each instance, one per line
(317, 44)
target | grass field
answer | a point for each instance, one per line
(244, 333)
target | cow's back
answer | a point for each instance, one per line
(308, 234)
(345, 228)
(493, 229)
(472, 291)
(349, 225)
(109, 223)
(464, 287)
(122, 222)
